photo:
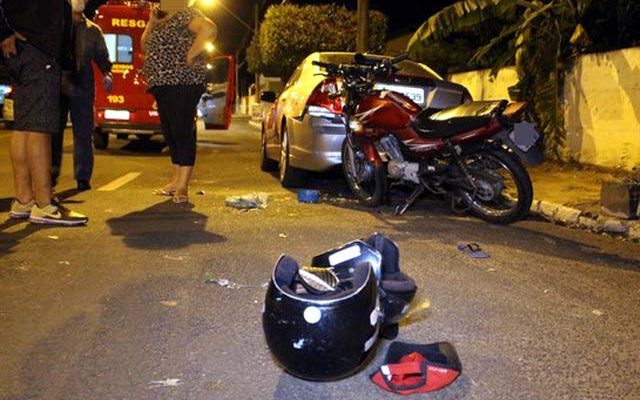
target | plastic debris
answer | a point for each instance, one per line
(53, 237)
(597, 312)
(248, 201)
(200, 193)
(226, 283)
(473, 249)
(282, 236)
(168, 257)
(308, 196)
(64, 263)
(169, 382)
(169, 303)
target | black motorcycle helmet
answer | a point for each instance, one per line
(321, 322)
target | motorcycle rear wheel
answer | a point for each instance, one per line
(366, 180)
(504, 193)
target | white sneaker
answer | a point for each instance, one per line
(56, 215)
(19, 210)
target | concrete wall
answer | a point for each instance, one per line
(602, 105)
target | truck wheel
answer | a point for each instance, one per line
(100, 139)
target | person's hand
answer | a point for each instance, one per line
(154, 19)
(107, 81)
(191, 56)
(9, 45)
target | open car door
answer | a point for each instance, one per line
(216, 105)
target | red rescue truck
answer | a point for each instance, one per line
(129, 108)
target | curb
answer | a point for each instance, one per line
(573, 217)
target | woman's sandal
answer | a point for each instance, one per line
(164, 192)
(180, 198)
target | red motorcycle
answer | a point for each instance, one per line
(470, 153)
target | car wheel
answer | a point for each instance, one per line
(289, 176)
(100, 139)
(266, 164)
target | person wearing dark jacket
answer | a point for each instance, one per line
(77, 96)
(33, 36)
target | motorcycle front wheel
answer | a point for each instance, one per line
(365, 179)
(503, 188)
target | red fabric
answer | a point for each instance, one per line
(406, 376)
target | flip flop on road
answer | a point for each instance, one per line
(473, 249)
(164, 192)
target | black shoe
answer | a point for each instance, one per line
(83, 185)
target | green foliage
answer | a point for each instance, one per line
(289, 33)
(539, 36)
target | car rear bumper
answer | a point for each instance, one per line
(127, 127)
(316, 142)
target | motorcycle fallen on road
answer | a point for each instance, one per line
(471, 153)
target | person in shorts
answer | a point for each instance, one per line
(33, 38)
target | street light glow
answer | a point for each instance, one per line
(210, 47)
(207, 3)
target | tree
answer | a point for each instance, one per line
(540, 36)
(289, 33)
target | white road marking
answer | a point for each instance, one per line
(117, 183)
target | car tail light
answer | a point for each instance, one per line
(321, 100)
(466, 97)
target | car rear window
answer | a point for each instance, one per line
(407, 67)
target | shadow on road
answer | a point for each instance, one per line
(163, 226)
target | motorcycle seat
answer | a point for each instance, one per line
(452, 121)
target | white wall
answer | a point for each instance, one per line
(602, 105)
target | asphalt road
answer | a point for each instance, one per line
(99, 312)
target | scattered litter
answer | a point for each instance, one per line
(169, 303)
(53, 237)
(200, 192)
(165, 383)
(248, 201)
(179, 258)
(282, 235)
(597, 312)
(64, 263)
(546, 291)
(491, 270)
(473, 249)
(226, 283)
(108, 210)
(308, 196)
(217, 385)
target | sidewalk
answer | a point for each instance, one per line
(570, 194)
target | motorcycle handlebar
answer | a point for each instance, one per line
(399, 58)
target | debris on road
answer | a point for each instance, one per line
(172, 258)
(226, 283)
(248, 201)
(53, 237)
(597, 312)
(169, 382)
(473, 250)
(308, 196)
(169, 303)
(200, 193)
(64, 263)
(282, 236)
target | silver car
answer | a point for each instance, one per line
(303, 130)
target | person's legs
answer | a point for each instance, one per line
(164, 100)
(185, 138)
(20, 165)
(39, 161)
(57, 141)
(82, 118)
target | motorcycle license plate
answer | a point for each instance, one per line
(414, 93)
